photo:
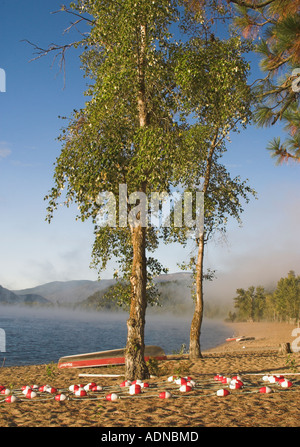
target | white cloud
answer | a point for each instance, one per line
(4, 150)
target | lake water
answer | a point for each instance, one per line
(39, 336)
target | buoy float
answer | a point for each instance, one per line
(74, 388)
(112, 397)
(181, 381)
(286, 383)
(51, 390)
(191, 383)
(235, 384)
(60, 397)
(89, 386)
(237, 377)
(135, 389)
(226, 380)
(97, 388)
(34, 387)
(80, 392)
(265, 389)
(144, 385)
(10, 399)
(165, 395)
(31, 394)
(125, 383)
(223, 392)
(5, 391)
(172, 378)
(185, 388)
(25, 389)
(274, 379)
(44, 388)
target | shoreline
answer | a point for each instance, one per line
(264, 335)
(200, 407)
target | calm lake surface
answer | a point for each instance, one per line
(39, 336)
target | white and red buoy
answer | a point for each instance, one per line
(60, 397)
(5, 391)
(44, 388)
(185, 388)
(286, 383)
(112, 397)
(135, 389)
(236, 377)
(51, 390)
(97, 388)
(80, 392)
(126, 383)
(165, 395)
(11, 399)
(223, 392)
(74, 388)
(172, 378)
(274, 379)
(90, 386)
(235, 384)
(265, 389)
(181, 381)
(30, 394)
(25, 389)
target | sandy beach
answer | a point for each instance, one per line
(257, 361)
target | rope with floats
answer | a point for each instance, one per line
(174, 387)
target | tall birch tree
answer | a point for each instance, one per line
(212, 77)
(123, 142)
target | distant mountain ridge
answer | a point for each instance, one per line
(11, 298)
(174, 290)
(67, 292)
(75, 291)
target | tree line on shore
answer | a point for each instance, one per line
(257, 304)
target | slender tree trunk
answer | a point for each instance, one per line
(194, 349)
(195, 331)
(135, 366)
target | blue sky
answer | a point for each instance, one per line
(34, 252)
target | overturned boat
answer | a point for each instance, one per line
(106, 358)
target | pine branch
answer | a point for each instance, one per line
(251, 5)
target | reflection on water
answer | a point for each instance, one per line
(38, 336)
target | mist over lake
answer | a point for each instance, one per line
(41, 336)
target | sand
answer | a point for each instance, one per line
(201, 407)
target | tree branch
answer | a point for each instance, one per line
(52, 47)
(251, 5)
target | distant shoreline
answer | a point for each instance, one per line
(267, 335)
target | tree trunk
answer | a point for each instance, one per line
(194, 349)
(195, 331)
(135, 365)
(285, 348)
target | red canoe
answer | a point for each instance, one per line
(105, 358)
